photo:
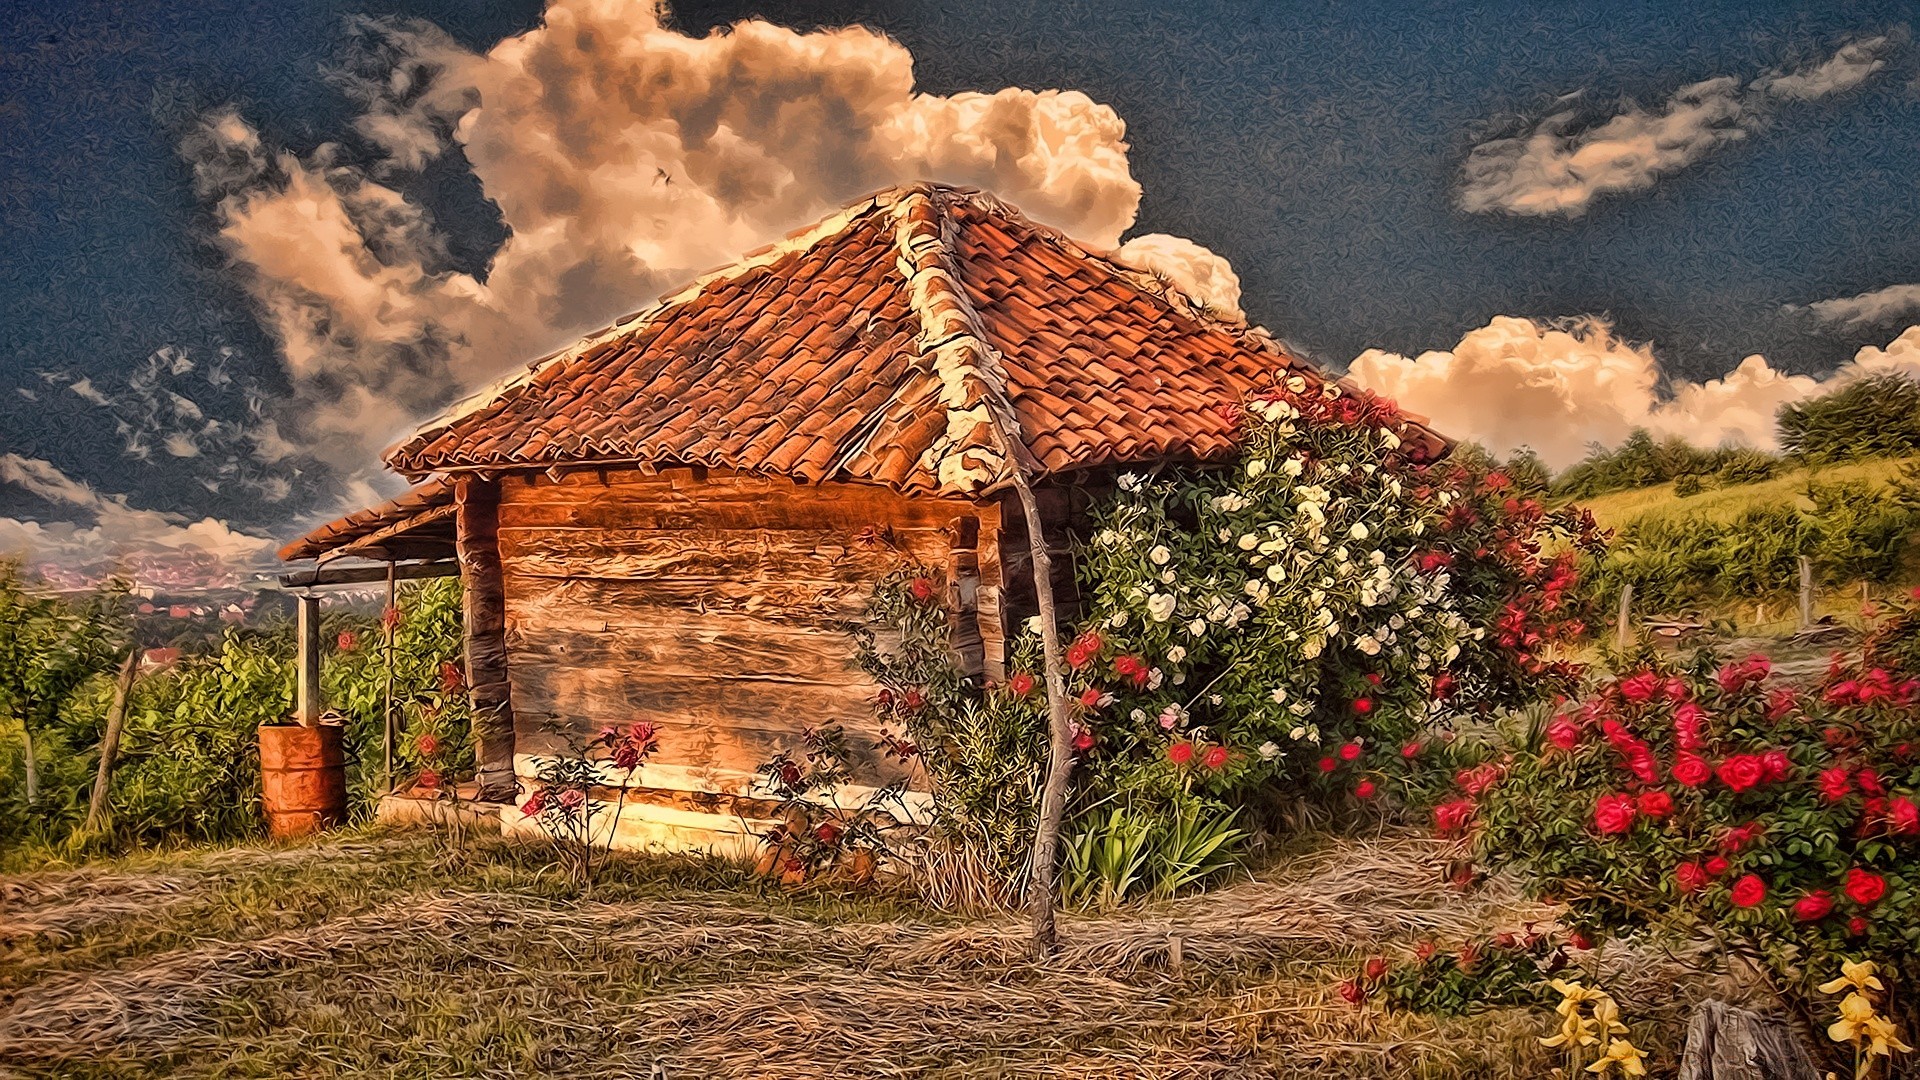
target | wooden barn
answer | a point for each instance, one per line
(676, 518)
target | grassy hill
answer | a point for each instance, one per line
(1620, 508)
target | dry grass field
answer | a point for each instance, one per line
(410, 955)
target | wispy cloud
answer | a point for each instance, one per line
(1563, 162)
(1867, 309)
(1558, 386)
(149, 546)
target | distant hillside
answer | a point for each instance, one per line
(1620, 508)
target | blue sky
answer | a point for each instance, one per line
(1318, 147)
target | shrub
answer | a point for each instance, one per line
(1780, 823)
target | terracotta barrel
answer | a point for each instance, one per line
(303, 778)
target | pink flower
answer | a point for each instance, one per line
(345, 641)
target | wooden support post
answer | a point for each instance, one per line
(477, 518)
(110, 743)
(1806, 592)
(307, 705)
(389, 621)
(1623, 632)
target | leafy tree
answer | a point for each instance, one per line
(1877, 416)
(49, 647)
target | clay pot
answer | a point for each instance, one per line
(303, 778)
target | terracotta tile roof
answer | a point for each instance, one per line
(913, 340)
(417, 523)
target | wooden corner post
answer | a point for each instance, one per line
(484, 606)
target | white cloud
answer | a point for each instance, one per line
(1560, 386)
(1565, 161)
(1867, 309)
(625, 158)
(152, 547)
(1189, 267)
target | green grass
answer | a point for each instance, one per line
(406, 955)
(1621, 508)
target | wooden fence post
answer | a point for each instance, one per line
(1806, 592)
(110, 742)
(1624, 629)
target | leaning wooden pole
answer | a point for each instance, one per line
(110, 743)
(1053, 794)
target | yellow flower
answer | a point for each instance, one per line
(1882, 1039)
(1575, 1030)
(1607, 1015)
(1855, 1012)
(1857, 974)
(1630, 1058)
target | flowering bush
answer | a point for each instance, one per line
(562, 802)
(1715, 799)
(816, 832)
(1318, 616)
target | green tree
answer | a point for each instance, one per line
(49, 647)
(1878, 416)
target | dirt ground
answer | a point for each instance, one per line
(386, 954)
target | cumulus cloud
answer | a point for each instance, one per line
(1187, 266)
(1563, 162)
(149, 546)
(625, 158)
(1867, 309)
(1560, 386)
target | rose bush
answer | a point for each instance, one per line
(1717, 799)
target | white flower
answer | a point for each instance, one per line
(1160, 555)
(1226, 535)
(1259, 590)
(1310, 649)
(1368, 644)
(1301, 708)
(1231, 503)
(1358, 532)
(1197, 628)
(1389, 440)
(1131, 482)
(1276, 573)
(1176, 654)
(1138, 716)
(1279, 695)
(1179, 678)
(1154, 678)
(1160, 606)
(1293, 466)
(1248, 541)
(1269, 750)
(1214, 699)
(1168, 577)
(1296, 384)
(1033, 624)
(1256, 467)
(1297, 734)
(1117, 620)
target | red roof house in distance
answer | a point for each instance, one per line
(677, 518)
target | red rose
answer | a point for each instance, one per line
(1814, 906)
(1377, 968)
(1215, 757)
(1443, 686)
(390, 618)
(1864, 887)
(922, 587)
(535, 803)
(1350, 751)
(1180, 753)
(1021, 684)
(828, 832)
(1452, 818)
(1364, 789)
(1749, 891)
(1690, 877)
(1411, 750)
(1563, 733)
(1717, 865)
(1903, 816)
(1328, 764)
(1656, 804)
(1084, 648)
(1869, 782)
(428, 745)
(452, 679)
(345, 641)
(1835, 783)
(1741, 771)
(1858, 926)
(429, 779)
(1613, 814)
(1579, 940)
(1641, 687)
(1090, 697)
(1691, 770)
(1363, 705)
(1083, 740)
(1777, 764)
(1353, 992)
(1425, 950)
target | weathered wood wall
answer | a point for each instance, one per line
(476, 504)
(713, 605)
